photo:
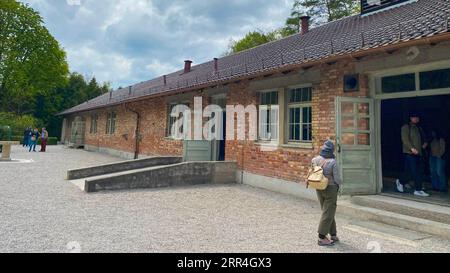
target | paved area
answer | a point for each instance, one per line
(41, 212)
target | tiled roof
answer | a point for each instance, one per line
(424, 18)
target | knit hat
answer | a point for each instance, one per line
(327, 149)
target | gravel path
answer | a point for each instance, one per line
(41, 212)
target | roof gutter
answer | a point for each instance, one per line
(422, 41)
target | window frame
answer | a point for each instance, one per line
(269, 124)
(169, 118)
(375, 80)
(94, 124)
(111, 119)
(301, 105)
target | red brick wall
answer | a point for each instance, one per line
(285, 163)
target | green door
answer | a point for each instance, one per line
(197, 150)
(355, 141)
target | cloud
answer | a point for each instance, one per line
(129, 41)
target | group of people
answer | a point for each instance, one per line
(416, 147)
(417, 150)
(31, 137)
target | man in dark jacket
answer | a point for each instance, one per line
(413, 139)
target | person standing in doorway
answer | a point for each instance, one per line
(437, 162)
(413, 140)
(44, 138)
(328, 197)
(33, 139)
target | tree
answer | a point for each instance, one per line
(251, 40)
(31, 60)
(323, 11)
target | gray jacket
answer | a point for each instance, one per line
(330, 170)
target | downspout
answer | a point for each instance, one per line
(137, 134)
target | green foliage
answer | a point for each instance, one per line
(323, 11)
(18, 123)
(251, 40)
(31, 60)
(35, 83)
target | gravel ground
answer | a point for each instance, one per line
(41, 212)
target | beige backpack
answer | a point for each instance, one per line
(316, 179)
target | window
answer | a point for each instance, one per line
(111, 123)
(435, 79)
(94, 121)
(399, 83)
(171, 120)
(300, 115)
(268, 116)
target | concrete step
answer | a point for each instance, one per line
(181, 174)
(383, 231)
(406, 207)
(355, 211)
(122, 166)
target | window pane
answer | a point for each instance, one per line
(400, 83)
(348, 123)
(291, 132)
(307, 118)
(364, 139)
(348, 139)
(435, 79)
(306, 134)
(269, 98)
(363, 108)
(300, 94)
(364, 124)
(347, 108)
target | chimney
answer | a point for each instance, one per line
(187, 66)
(165, 79)
(129, 90)
(216, 64)
(304, 24)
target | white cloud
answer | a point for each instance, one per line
(129, 41)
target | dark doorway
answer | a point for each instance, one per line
(435, 114)
(222, 142)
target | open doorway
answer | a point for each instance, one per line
(434, 112)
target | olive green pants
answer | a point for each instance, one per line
(328, 204)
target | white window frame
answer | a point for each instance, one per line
(301, 106)
(273, 109)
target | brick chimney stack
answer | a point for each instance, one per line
(187, 66)
(304, 24)
(216, 65)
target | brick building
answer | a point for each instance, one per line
(353, 80)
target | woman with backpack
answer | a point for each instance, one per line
(328, 196)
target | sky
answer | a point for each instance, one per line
(124, 42)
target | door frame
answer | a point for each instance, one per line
(374, 77)
(216, 143)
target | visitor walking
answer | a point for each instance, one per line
(44, 138)
(413, 140)
(34, 136)
(328, 197)
(437, 162)
(26, 137)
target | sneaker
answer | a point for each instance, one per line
(325, 242)
(335, 239)
(399, 186)
(421, 194)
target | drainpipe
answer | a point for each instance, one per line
(138, 122)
